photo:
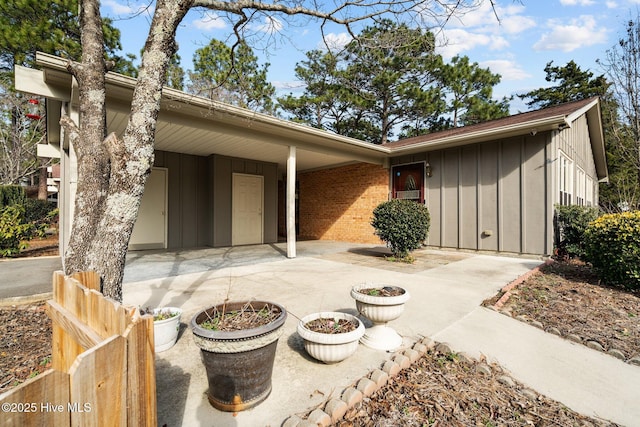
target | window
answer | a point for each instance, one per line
(408, 182)
(580, 187)
(565, 179)
(589, 192)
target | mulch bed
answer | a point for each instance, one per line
(568, 299)
(443, 389)
(25, 343)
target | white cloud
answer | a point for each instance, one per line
(457, 41)
(480, 28)
(577, 33)
(577, 2)
(335, 41)
(509, 20)
(118, 8)
(209, 22)
(509, 70)
(611, 4)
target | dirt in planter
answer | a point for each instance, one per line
(247, 317)
(386, 291)
(330, 325)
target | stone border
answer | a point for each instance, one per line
(351, 398)
(507, 288)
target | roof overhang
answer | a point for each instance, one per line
(192, 125)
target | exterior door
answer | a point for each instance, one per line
(150, 230)
(247, 205)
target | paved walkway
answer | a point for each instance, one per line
(446, 290)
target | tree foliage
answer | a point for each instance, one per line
(571, 84)
(469, 90)
(389, 82)
(50, 26)
(232, 75)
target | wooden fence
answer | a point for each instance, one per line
(103, 366)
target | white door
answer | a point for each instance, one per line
(247, 202)
(150, 230)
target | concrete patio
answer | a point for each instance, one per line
(446, 290)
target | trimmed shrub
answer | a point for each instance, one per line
(12, 195)
(13, 230)
(570, 222)
(402, 224)
(612, 246)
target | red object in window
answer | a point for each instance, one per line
(33, 110)
(408, 182)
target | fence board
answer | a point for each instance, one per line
(98, 377)
(141, 376)
(64, 349)
(46, 396)
(72, 325)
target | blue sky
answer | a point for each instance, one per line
(529, 34)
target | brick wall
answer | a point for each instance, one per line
(337, 203)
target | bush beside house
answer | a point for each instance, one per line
(402, 224)
(612, 246)
(570, 223)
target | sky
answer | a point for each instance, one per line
(528, 35)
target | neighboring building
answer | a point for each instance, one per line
(226, 176)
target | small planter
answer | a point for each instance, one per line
(380, 309)
(166, 328)
(239, 363)
(330, 347)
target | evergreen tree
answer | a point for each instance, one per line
(232, 75)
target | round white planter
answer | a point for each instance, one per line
(380, 310)
(330, 348)
(165, 332)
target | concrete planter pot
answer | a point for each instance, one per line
(380, 310)
(330, 348)
(239, 363)
(165, 332)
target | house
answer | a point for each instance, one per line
(226, 176)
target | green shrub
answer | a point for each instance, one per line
(402, 224)
(570, 222)
(39, 211)
(12, 195)
(13, 229)
(612, 246)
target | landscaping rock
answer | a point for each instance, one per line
(530, 394)
(351, 397)
(595, 345)
(429, 343)
(635, 360)
(379, 377)
(554, 331)
(412, 355)
(292, 421)
(537, 324)
(506, 380)
(367, 387)
(319, 418)
(402, 361)
(574, 338)
(391, 368)
(444, 348)
(484, 369)
(420, 348)
(616, 353)
(336, 409)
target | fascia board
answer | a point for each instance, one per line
(28, 80)
(546, 124)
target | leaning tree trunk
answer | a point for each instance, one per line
(112, 171)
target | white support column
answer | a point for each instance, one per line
(291, 203)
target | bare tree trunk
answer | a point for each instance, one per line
(42, 180)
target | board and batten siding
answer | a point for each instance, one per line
(492, 196)
(199, 198)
